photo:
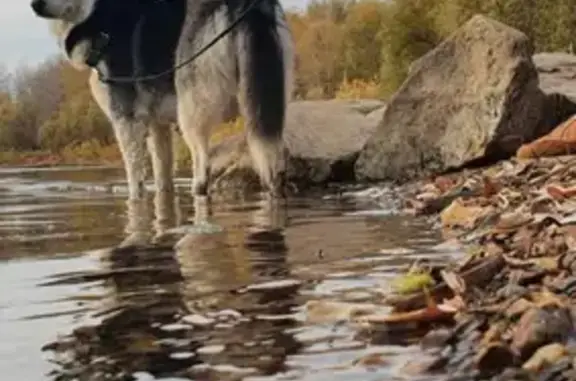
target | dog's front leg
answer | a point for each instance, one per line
(130, 131)
(161, 152)
(131, 137)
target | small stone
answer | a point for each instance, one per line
(274, 285)
(422, 366)
(512, 290)
(546, 355)
(541, 326)
(436, 338)
(494, 358)
(182, 355)
(198, 320)
(211, 349)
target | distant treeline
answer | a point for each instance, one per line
(345, 49)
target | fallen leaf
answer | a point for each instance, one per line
(494, 333)
(512, 221)
(489, 187)
(544, 263)
(546, 355)
(432, 312)
(444, 184)
(559, 193)
(560, 141)
(454, 281)
(411, 282)
(457, 214)
(455, 304)
(518, 308)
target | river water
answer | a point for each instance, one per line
(226, 304)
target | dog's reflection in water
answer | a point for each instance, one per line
(137, 324)
(150, 226)
(220, 262)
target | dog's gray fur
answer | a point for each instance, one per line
(248, 72)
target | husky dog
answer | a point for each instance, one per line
(247, 72)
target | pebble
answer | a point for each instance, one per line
(286, 283)
(494, 358)
(211, 349)
(182, 355)
(198, 320)
(174, 327)
(436, 339)
(541, 326)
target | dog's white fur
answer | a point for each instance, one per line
(71, 11)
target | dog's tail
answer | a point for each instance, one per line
(265, 64)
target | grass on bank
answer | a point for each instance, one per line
(94, 152)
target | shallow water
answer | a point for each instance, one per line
(226, 305)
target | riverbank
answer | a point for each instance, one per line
(505, 310)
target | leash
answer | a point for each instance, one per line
(131, 79)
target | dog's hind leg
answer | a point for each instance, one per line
(195, 124)
(265, 64)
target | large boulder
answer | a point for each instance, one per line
(322, 140)
(473, 98)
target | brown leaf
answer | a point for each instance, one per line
(518, 308)
(559, 193)
(444, 183)
(454, 281)
(457, 214)
(544, 263)
(512, 221)
(546, 355)
(494, 333)
(489, 187)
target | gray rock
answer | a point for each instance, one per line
(322, 140)
(474, 97)
(557, 74)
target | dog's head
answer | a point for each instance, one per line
(71, 11)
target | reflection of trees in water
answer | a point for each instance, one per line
(138, 327)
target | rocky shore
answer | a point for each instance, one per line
(483, 130)
(505, 311)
